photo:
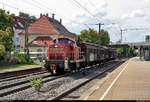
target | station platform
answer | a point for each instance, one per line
(130, 81)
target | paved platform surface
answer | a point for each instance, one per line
(130, 81)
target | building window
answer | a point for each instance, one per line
(20, 25)
(17, 39)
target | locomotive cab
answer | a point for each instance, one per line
(61, 54)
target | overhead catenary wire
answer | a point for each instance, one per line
(29, 3)
(45, 6)
(20, 10)
(72, 2)
(57, 13)
(91, 3)
(85, 9)
(9, 6)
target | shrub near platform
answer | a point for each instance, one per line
(37, 84)
(18, 58)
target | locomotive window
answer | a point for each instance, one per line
(57, 41)
(67, 42)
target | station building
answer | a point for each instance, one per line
(41, 33)
(18, 27)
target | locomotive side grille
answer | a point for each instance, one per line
(56, 57)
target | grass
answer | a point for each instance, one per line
(19, 66)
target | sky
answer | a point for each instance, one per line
(115, 14)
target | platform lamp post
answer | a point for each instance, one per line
(26, 49)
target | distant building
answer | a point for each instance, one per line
(18, 27)
(147, 38)
(41, 33)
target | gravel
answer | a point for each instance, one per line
(5, 83)
(55, 87)
(75, 95)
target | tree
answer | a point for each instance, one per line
(6, 39)
(2, 51)
(92, 36)
(5, 20)
(6, 32)
(12, 15)
(89, 35)
(33, 17)
(25, 15)
(104, 37)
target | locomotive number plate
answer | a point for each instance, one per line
(53, 66)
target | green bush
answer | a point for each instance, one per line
(36, 83)
(2, 51)
(19, 58)
(119, 51)
(37, 62)
(138, 54)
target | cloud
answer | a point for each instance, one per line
(103, 5)
(146, 1)
(133, 14)
(101, 14)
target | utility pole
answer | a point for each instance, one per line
(26, 49)
(121, 30)
(99, 24)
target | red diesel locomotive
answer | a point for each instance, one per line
(67, 55)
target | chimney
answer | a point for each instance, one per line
(46, 14)
(60, 21)
(40, 14)
(53, 16)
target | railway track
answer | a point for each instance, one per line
(21, 76)
(23, 82)
(7, 89)
(11, 74)
(69, 91)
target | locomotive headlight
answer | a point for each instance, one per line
(43, 61)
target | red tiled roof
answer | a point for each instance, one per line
(41, 41)
(41, 26)
(18, 22)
